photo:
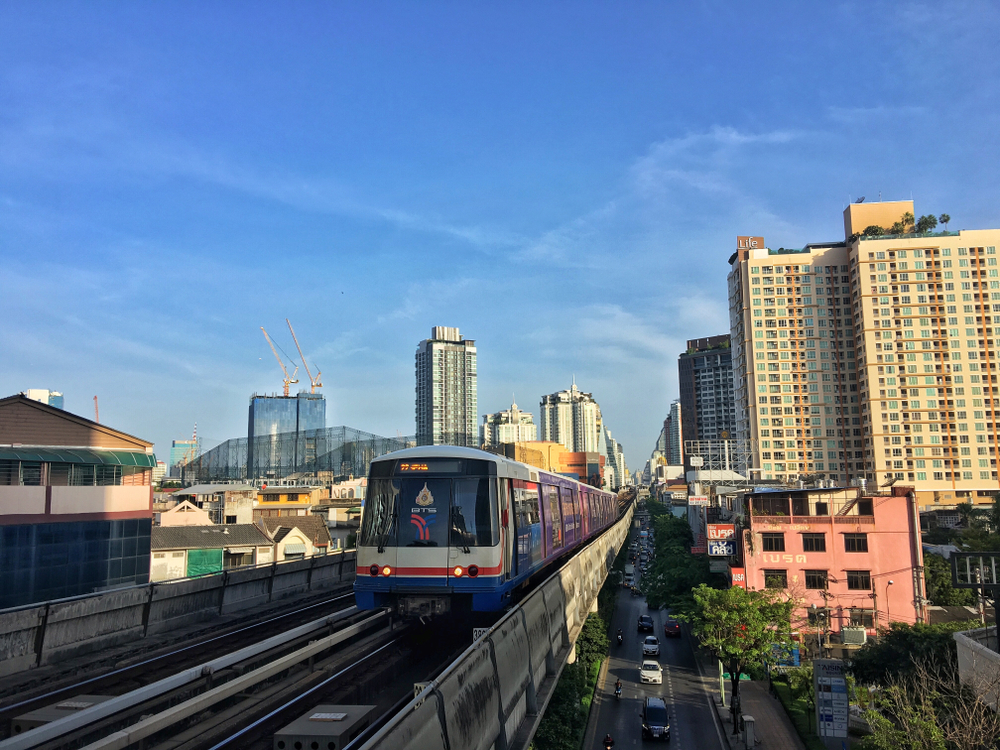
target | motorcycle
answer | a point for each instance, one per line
(620, 638)
(618, 692)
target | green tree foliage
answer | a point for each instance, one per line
(592, 644)
(565, 714)
(873, 231)
(937, 577)
(944, 219)
(893, 654)
(740, 628)
(926, 223)
(913, 726)
(674, 571)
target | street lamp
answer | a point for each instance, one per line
(888, 620)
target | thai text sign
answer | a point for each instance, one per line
(738, 577)
(721, 531)
(832, 704)
(721, 547)
(697, 500)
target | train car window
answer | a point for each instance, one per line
(528, 519)
(474, 513)
(424, 504)
(570, 518)
(380, 513)
(551, 495)
(381, 469)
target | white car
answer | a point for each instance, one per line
(651, 646)
(651, 673)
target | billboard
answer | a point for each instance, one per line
(721, 531)
(721, 547)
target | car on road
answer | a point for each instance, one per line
(655, 720)
(651, 646)
(672, 628)
(645, 623)
(651, 673)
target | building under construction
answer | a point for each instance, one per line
(312, 455)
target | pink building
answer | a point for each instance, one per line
(853, 560)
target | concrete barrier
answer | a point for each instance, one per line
(494, 694)
(52, 631)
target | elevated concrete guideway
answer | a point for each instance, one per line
(495, 693)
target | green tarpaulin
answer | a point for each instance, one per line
(204, 561)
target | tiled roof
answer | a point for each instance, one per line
(314, 527)
(208, 537)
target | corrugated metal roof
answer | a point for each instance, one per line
(208, 537)
(79, 456)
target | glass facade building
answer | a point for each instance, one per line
(271, 416)
(46, 561)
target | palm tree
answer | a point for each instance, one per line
(944, 219)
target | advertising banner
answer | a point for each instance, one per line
(697, 500)
(721, 531)
(721, 547)
(738, 577)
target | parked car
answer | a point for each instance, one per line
(651, 673)
(672, 628)
(651, 646)
(655, 720)
(645, 624)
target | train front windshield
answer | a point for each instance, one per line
(423, 510)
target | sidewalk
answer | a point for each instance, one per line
(774, 728)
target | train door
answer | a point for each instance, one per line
(586, 502)
(507, 533)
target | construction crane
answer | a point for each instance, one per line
(316, 382)
(288, 379)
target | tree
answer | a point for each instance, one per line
(674, 571)
(944, 219)
(740, 628)
(926, 223)
(893, 655)
(937, 577)
(873, 231)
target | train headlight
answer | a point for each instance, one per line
(473, 571)
(386, 570)
(373, 570)
(457, 571)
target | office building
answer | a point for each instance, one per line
(76, 504)
(573, 419)
(509, 426)
(673, 435)
(301, 416)
(181, 452)
(871, 358)
(616, 472)
(447, 409)
(44, 396)
(705, 377)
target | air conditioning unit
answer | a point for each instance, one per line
(855, 636)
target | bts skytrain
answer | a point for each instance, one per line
(449, 529)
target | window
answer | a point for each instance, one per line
(776, 579)
(859, 580)
(815, 579)
(863, 618)
(230, 519)
(855, 542)
(814, 542)
(773, 542)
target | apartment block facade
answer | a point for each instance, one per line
(447, 409)
(705, 379)
(874, 358)
(573, 419)
(509, 426)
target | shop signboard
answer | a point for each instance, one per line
(721, 547)
(832, 703)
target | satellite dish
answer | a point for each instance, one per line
(860, 200)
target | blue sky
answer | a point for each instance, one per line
(563, 181)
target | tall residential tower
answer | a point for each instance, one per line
(573, 419)
(872, 358)
(708, 404)
(447, 407)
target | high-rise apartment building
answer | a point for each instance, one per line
(708, 404)
(573, 419)
(45, 396)
(873, 358)
(509, 426)
(673, 434)
(447, 408)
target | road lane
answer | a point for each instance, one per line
(693, 724)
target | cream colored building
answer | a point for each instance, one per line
(872, 358)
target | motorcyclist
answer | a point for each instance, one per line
(620, 636)
(609, 741)
(618, 687)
